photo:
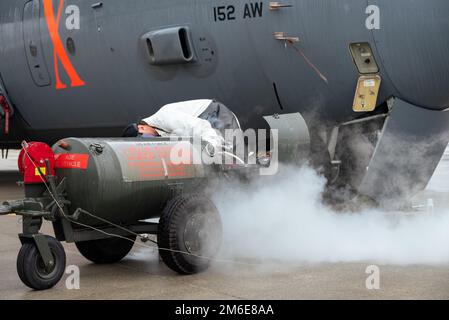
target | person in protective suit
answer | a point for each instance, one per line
(205, 118)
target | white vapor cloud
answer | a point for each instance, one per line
(283, 219)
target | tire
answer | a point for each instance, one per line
(31, 268)
(189, 234)
(106, 251)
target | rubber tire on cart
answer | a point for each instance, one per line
(189, 234)
(104, 251)
(31, 268)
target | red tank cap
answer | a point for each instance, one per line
(64, 145)
(32, 162)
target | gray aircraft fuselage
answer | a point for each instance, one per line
(86, 67)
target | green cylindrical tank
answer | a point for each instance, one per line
(126, 180)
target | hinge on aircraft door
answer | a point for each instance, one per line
(280, 36)
(277, 5)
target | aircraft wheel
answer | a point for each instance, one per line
(31, 268)
(105, 251)
(189, 234)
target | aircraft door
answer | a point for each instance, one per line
(32, 42)
(306, 54)
(411, 38)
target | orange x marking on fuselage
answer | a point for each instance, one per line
(59, 52)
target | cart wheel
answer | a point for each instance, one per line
(189, 234)
(108, 250)
(31, 267)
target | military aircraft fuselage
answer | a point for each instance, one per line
(78, 66)
(89, 68)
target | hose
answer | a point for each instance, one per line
(4, 210)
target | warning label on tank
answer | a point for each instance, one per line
(72, 161)
(145, 161)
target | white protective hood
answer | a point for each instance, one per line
(181, 119)
(192, 107)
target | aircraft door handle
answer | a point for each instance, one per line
(280, 36)
(277, 5)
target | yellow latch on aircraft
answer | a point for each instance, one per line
(366, 94)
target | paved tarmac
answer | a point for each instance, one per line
(142, 276)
